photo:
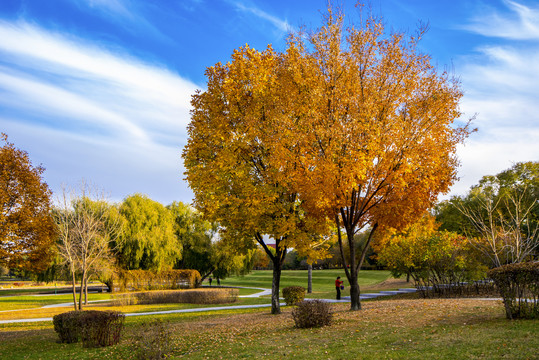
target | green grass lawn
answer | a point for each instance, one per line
(323, 280)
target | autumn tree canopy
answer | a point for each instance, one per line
(366, 135)
(26, 227)
(433, 259)
(348, 124)
(228, 159)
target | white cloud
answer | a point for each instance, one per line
(521, 24)
(480, 158)
(119, 168)
(501, 84)
(49, 100)
(88, 112)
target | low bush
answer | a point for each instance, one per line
(195, 296)
(101, 328)
(68, 326)
(94, 328)
(312, 313)
(153, 342)
(293, 294)
(518, 285)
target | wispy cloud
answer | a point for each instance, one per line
(520, 23)
(501, 86)
(128, 14)
(280, 24)
(92, 100)
(116, 7)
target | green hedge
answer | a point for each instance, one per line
(94, 328)
(139, 280)
(518, 285)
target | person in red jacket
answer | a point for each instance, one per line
(338, 284)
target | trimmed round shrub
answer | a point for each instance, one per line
(101, 328)
(94, 328)
(293, 294)
(518, 285)
(68, 326)
(312, 313)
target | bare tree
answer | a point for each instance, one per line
(87, 224)
(506, 232)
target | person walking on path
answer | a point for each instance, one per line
(210, 280)
(338, 284)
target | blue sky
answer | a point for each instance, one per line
(100, 89)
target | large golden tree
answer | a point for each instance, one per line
(352, 125)
(368, 136)
(26, 227)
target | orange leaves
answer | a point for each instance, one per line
(26, 228)
(230, 159)
(346, 120)
(373, 115)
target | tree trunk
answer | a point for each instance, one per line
(275, 304)
(310, 279)
(355, 301)
(86, 291)
(204, 276)
(354, 290)
(81, 288)
(74, 290)
(277, 260)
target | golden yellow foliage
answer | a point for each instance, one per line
(351, 125)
